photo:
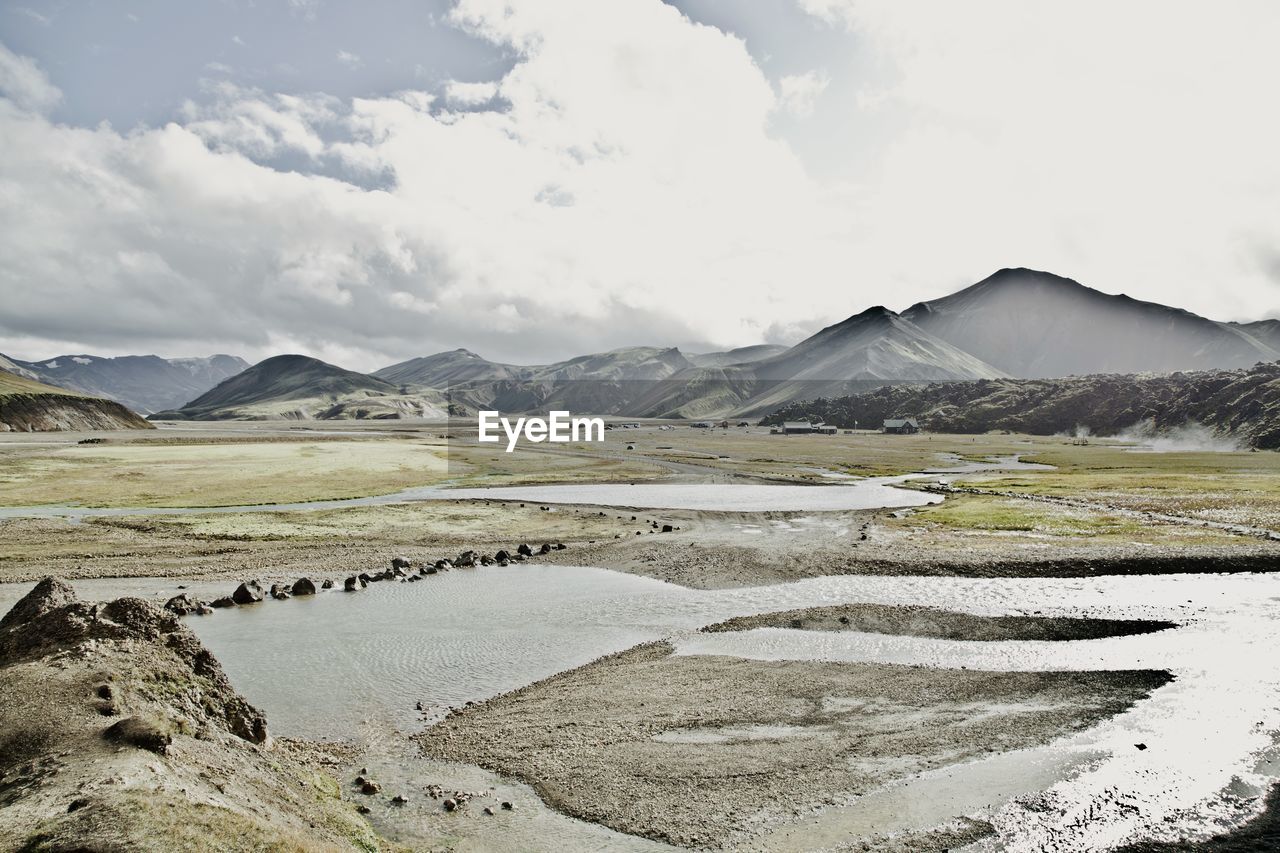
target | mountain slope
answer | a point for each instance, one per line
(144, 383)
(298, 387)
(741, 355)
(1243, 405)
(864, 351)
(1036, 325)
(446, 368)
(30, 406)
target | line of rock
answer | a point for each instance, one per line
(402, 570)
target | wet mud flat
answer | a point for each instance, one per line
(711, 752)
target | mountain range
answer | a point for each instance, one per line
(144, 383)
(1017, 323)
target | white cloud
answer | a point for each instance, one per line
(629, 186)
(470, 94)
(798, 93)
(349, 59)
(25, 84)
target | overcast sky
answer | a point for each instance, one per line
(367, 182)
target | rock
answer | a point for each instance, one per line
(399, 800)
(444, 565)
(143, 732)
(47, 596)
(365, 578)
(560, 546)
(1140, 746)
(502, 557)
(225, 601)
(203, 610)
(545, 549)
(249, 592)
(667, 528)
(466, 560)
(400, 563)
(278, 592)
(486, 560)
(303, 586)
(328, 584)
(450, 805)
(363, 809)
(370, 787)
(489, 811)
(507, 806)
(353, 583)
(183, 604)
(524, 549)
(429, 570)
(77, 804)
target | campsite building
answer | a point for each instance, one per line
(901, 426)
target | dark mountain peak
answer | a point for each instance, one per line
(1037, 324)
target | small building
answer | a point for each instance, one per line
(796, 428)
(826, 429)
(901, 426)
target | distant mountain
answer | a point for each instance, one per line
(741, 355)
(1036, 325)
(1264, 331)
(30, 406)
(297, 387)
(144, 383)
(446, 368)
(866, 350)
(1242, 405)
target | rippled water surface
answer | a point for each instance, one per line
(324, 666)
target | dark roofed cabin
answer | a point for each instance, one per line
(901, 426)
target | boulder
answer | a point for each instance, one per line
(328, 584)
(370, 787)
(278, 592)
(667, 528)
(143, 732)
(444, 565)
(303, 586)
(560, 546)
(466, 560)
(183, 604)
(353, 583)
(502, 556)
(524, 549)
(429, 570)
(545, 549)
(486, 560)
(249, 592)
(225, 601)
(400, 563)
(365, 578)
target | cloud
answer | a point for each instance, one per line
(349, 59)
(626, 182)
(798, 93)
(470, 94)
(624, 191)
(25, 84)
(42, 20)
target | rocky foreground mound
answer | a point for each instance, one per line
(1240, 404)
(120, 731)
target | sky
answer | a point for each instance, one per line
(369, 182)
